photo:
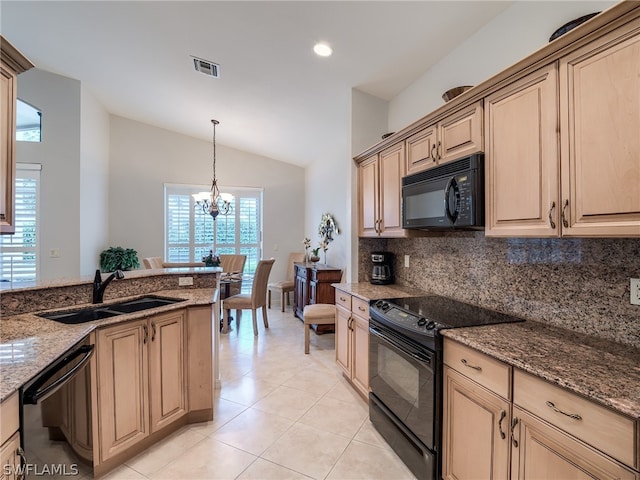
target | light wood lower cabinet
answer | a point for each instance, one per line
(10, 450)
(10, 458)
(123, 386)
(475, 430)
(352, 340)
(541, 451)
(546, 433)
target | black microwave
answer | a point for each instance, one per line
(449, 196)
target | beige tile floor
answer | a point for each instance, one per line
(280, 414)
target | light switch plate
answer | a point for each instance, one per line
(406, 261)
(635, 291)
(185, 281)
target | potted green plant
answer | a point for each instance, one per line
(118, 258)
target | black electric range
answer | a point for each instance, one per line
(422, 318)
(406, 370)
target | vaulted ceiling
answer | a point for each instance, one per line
(274, 97)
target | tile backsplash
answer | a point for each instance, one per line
(579, 284)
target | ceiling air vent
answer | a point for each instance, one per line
(206, 67)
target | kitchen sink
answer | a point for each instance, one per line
(106, 311)
(143, 303)
(80, 316)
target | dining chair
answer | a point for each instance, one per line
(285, 287)
(256, 299)
(233, 264)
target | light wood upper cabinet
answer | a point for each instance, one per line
(457, 135)
(600, 136)
(12, 63)
(583, 181)
(522, 157)
(379, 194)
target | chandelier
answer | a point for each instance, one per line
(213, 202)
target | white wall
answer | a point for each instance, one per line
(328, 190)
(94, 181)
(143, 158)
(59, 99)
(514, 34)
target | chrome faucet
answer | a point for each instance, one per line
(99, 286)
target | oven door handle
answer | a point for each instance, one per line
(34, 393)
(416, 356)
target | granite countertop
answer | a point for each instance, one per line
(602, 371)
(29, 343)
(598, 369)
(369, 291)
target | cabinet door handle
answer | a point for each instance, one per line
(467, 364)
(439, 152)
(23, 463)
(433, 153)
(514, 423)
(502, 415)
(146, 334)
(153, 331)
(362, 309)
(342, 299)
(551, 209)
(565, 222)
(553, 407)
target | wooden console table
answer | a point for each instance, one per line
(313, 285)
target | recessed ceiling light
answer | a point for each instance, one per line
(322, 49)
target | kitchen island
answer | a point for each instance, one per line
(152, 370)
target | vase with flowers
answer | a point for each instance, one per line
(211, 260)
(307, 245)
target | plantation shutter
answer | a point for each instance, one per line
(19, 258)
(191, 233)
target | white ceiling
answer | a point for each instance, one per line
(275, 97)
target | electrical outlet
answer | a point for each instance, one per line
(635, 291)
(406, 261)
(185, 281)
(54, 253)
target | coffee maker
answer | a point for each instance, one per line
(382, 273)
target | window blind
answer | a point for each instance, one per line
(19, 255)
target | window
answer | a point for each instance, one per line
(19, 258)
(190, 233)
(28, 123)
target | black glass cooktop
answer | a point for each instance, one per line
(431, 313)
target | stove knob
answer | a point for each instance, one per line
(431, 325)
(422, 322)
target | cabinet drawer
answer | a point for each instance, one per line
(609, 432)
(343, 299)
(488, 372)
(9, 418)
(360, 307)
